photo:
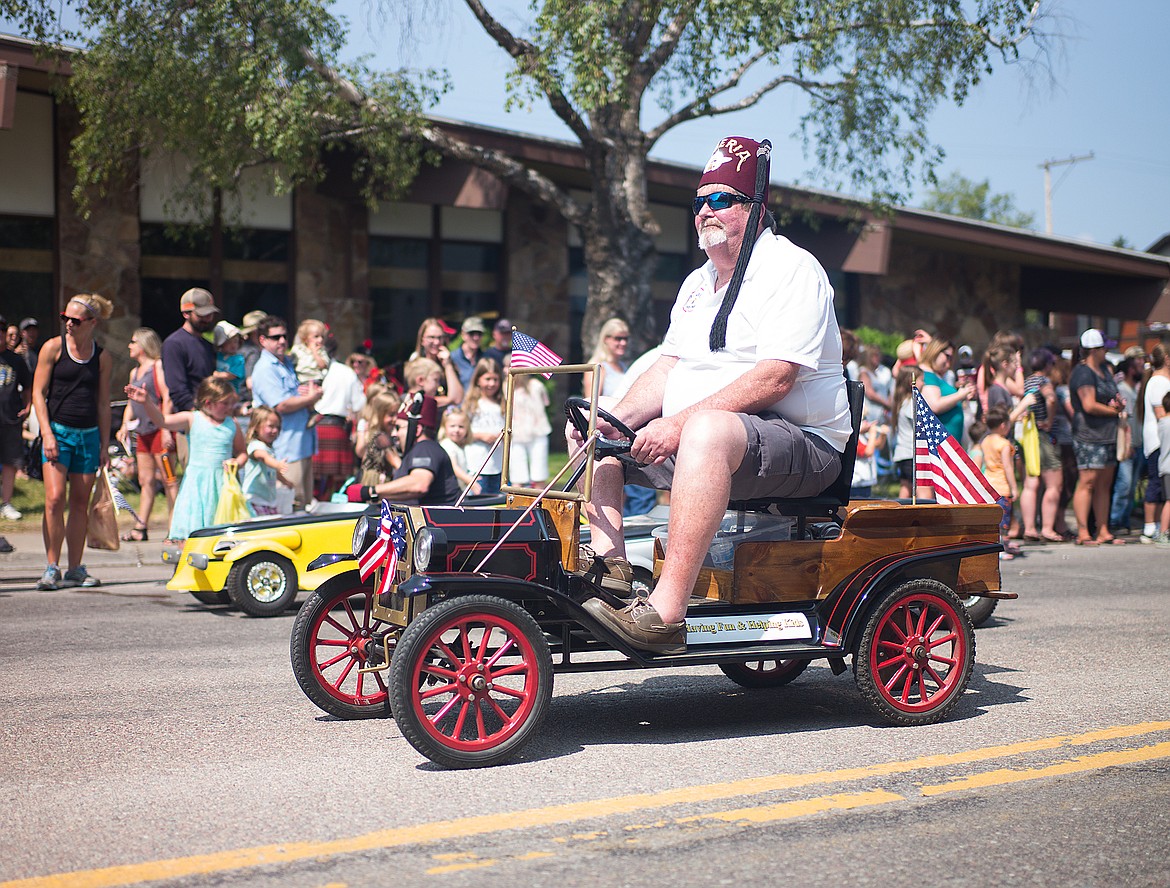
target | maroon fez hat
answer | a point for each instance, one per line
(733, 164)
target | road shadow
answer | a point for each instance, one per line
(685, 708)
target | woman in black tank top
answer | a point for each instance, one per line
(71, 391)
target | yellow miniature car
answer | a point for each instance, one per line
(260, 565)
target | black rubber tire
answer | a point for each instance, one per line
(764, 673)
(905, 626)
(262, 584)
(329, 645)
(212, 598)
(979, 608)
(433, 670)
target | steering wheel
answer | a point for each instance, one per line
(576, 409)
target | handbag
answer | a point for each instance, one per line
(1030, 444)
(102, 529)
(232, 507)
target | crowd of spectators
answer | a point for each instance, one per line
(1096, 420)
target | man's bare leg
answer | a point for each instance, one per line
(604, 510)
(711, 448)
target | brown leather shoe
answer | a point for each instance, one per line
(639, 624)
(611, 573)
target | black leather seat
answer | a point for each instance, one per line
(826, 503)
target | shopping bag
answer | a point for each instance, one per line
(102, 530)
(1030, 444)
(232, 506)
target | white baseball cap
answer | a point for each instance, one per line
(1092, 338)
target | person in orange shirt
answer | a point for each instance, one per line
(999, 467)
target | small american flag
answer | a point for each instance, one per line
(120, 501)
(374, 555)
(529, 352)
(394, 551)
(941, 462)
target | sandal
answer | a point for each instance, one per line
(1032, 538)
(1087, 541)
(1053, 538)
(135, 535)
(1110, 541)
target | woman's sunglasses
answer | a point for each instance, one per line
(719, 200)
(65, 319)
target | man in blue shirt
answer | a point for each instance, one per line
(468, 354)
(274, 384)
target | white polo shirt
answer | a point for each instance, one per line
(784, 312)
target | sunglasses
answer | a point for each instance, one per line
(719, 200)
(277, 336)
(473, 333)
(65, 319)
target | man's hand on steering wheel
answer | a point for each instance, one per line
(607, 424)
(657, 441)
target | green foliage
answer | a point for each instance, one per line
(872, 70)
(887, 342)
(960, 196)
(231, 84)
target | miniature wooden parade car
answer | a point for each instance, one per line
(484, 608)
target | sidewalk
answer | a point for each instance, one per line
(30, 552)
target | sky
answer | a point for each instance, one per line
(1103, 89)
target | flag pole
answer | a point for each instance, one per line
(914, 460)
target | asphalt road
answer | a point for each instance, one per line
(146, 738)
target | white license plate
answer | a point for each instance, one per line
(747, 627)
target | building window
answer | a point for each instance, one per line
(254, 271)
(431, 262)
(26, 269)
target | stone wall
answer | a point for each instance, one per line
(536, 291)
(99, 253)
(964, 298)
(331, 277)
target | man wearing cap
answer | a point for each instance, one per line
(468, 354)
(30, 343)
(275, 385)
(188, 358)
(1129, 377)
(425, 476)
(747, 399)
(250, 347)
(501, 345)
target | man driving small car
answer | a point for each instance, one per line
(747, 399)
(425, 476)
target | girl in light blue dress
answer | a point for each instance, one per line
(214, 440)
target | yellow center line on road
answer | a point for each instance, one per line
(266, 855)
(802, 808)
(1077, 765)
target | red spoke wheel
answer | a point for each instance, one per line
(764, 673)
(470, 681)
(335, 635)
(916, 653)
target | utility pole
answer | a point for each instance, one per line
(1047, 167)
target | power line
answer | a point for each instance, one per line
(1047, 167)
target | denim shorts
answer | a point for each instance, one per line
(1155, 492)
(1095, 456)
(78, 450)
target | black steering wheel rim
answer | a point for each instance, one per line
(576, 409)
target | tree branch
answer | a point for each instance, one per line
(528, 55)
(671, 34)
(497, 162)
(506, 168)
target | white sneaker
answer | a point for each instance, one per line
(9, 513)
(1146, 539)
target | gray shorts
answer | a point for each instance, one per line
(782, 462)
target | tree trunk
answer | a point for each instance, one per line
(620, 253)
